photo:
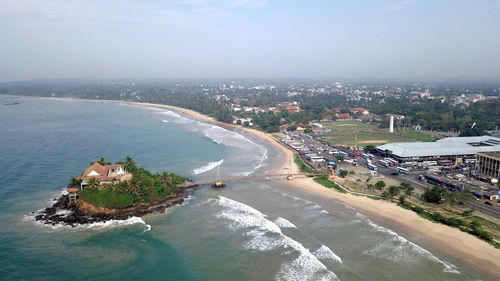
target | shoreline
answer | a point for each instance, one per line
(464, 246)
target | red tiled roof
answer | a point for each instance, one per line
(103, 171)
(98, 168)
(344, 116)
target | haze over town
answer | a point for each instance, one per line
(403, 40)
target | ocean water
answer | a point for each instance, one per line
(250, 230)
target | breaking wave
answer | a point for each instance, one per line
(400, 253)
(325, 253)
(266, 236)
(206, 168)
(284, 223)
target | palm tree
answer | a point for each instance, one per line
(130, 165)
(93, 183)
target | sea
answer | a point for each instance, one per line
(255, 229)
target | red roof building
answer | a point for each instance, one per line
(104, 173)
(343, 116)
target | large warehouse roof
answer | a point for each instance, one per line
(443, 147)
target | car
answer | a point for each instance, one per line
(394, 174)
(488, 203)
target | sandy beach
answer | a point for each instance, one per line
(452, 240)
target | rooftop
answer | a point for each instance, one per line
(444, 147)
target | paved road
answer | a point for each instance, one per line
(411, 178)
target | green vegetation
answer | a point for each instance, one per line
(434, 194)
(324, 181)
(302, 166)
(144, 187)
(474, 227)
(391, 192)
(380, 185)
(343, 132)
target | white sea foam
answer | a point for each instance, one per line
(401, 251)
(206, 168)
(266, 236)
(63, 212)
(169, 113)
(284, 223)
(324, 212)
(95, 226)
(254, 153)
(164, 121)
(325, 253)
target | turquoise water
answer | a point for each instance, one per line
(251, 230)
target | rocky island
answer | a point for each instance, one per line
(119, 191)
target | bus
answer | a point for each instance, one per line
(372, 167)
(445, 163)
(392, 161)
(384, 163)
(403, 170)
(407, 164)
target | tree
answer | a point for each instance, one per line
(238, 122)
(343, 173)
(130, 165)
(405, 185)
(369, 148)
(434, 194)
(92, 183)
(391, 192)
(380, 185)
(409, 191)
(402, 199)
(308, 130)
(103, 161)
(340, 158)
(292, 128)
(75, 182)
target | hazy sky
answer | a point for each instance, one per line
(457, 39)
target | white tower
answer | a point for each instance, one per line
(391, 124)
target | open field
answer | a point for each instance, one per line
(343, 134)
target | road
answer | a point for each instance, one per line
(412, 177)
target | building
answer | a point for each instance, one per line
(488, 164)
(343, 116)
(455, 148)
(105, 174)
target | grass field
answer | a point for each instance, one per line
(343, 133)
